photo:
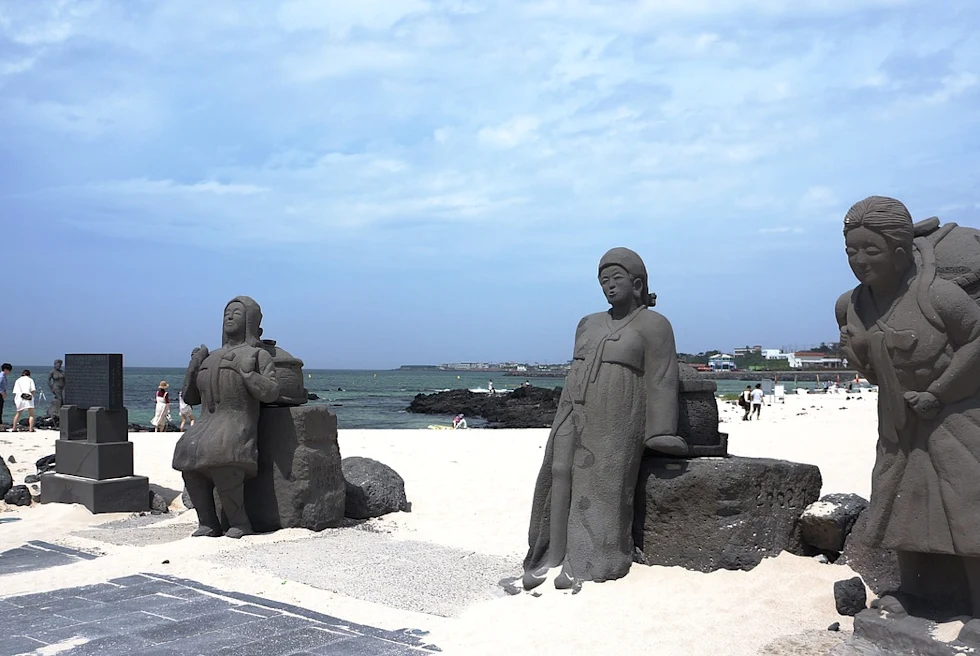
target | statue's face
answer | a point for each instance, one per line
(235, 320)
(617, 285)
(872, 260)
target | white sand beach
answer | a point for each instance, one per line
(437, 568)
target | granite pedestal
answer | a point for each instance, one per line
(94, 457)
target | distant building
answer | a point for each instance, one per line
(814, 360)
(774, 354)
(746, 350)
(721, 362)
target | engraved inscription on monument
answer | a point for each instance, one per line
(94, 380)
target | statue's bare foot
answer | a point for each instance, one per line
(893, 605)
(564, 581)
(206, 532)
(671, 445)
(236, 532)
(534, 577)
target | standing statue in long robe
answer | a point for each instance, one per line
(619, 397)
(220, 450)
(917, 336)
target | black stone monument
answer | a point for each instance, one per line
(94, 457)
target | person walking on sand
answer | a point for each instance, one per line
(758, 400)
(745, 400)
(186, 411)
(161, 417)
(5, 369)
(24, 392)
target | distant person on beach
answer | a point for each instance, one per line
(527, 383)
(161, 417)
(758, 400)
(490, 388)
(5, 369)
(459, 421)
(745, 400)
(186, 412)
(24, 392)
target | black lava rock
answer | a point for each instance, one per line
(18, 495)
(850, 597)
(707, 514)
(525, 407)
(828, 522)
(45, 464)
(6, 480)
(373, 489)
(31, 478)
(158, 505)
(12, 460)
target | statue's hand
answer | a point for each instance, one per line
(670, 445)
(198, 355)
(247, 364)
(924, 404)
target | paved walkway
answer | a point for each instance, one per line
(157, 615)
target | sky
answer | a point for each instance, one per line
(416, 182)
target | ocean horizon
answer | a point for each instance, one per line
(361, 398)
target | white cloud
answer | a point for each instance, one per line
(337, 60)
(510, 133)
(818, 198)
(339, 17)
(953, 86)
(146, 186)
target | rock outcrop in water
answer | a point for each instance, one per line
(525, 407)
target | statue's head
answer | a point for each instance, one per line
(57, 364)
(623, 278)
(878, 236)
(242, 321)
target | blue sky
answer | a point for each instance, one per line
(405, 181)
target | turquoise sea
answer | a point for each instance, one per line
(359, 398)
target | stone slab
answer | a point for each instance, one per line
(163, 615)
(876, 633)
(300, 483)
(94, 380)
(107, 425)
(707, 514)
(72, 422)
(127, 494)
(91, 460)
(38, 555)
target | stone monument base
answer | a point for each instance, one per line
(876, 634)
(300, 483)
(125, 494)
(707, 514)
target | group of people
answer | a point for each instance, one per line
(161, 413)
(23, 391)
(752, 401)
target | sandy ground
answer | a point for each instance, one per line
(471, 493)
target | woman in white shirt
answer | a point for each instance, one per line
(24, 392)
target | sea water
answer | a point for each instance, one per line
(360, 398)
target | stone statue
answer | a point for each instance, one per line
(220, 450)
(916, 335)
(56, 383)
(621, 394)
